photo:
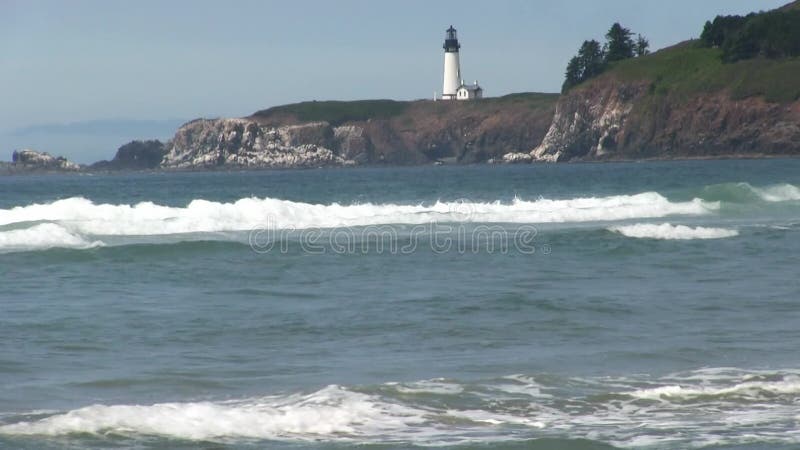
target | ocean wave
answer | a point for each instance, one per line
(743, 390)
(698, 408)
(147, 218)
(78, 222)
(668, 231)
(332, 412)
(747, 193)
(44, 236)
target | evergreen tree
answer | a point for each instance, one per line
(589, 63)
(619, 44)
(573, 75)
(591, 57)
(642, 46)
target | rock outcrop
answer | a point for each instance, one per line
(33, 161)
(588, 122)
(209, 143)
(135, 155)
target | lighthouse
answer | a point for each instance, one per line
(452, 67)
(453, 87)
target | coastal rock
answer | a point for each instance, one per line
(207, 143)
(419, 132)
(588, 122)
(32, 160)
(516, 158)
(135, 155)
(352, 143)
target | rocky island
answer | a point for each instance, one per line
(27, 160)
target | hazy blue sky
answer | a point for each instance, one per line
(66, 61)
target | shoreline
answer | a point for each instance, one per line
(6, 171)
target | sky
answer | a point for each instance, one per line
(80, 60)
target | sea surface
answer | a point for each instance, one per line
(580, 306)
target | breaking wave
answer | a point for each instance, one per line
(44, 236)
(332, 411)
(78, 222)
(668, 231)
(693, 409)
(747, 193)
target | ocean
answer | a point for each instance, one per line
(650, 305)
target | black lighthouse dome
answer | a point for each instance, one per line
(451, 41)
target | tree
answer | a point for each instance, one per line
(641, 47)
(589, 63)
(573, 75)
(592, 59)
(619, 44)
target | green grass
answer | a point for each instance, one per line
(531, 99)
(686, 69)
(337, 112)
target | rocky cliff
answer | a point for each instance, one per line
(244, 143)
(315, 134)
(678, 103)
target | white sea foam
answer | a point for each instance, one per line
(333, 412)
(691, 409)
(669, 231)
(436, 386)
(777, 193)
(43, 236)
(745, 389)
(146, 218)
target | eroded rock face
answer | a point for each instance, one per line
(588, 122)
(28, 159)
(352, 143)
(208, 143)
(613, 120)
(427, 132)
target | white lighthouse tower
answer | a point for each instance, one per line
(452, 68)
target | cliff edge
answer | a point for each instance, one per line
(369, 132)
(680, 102)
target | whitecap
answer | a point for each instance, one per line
(668, 231)
(143, 219)
(332, 412)
(43, 236)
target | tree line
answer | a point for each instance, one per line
(773, 34)
(593, 58)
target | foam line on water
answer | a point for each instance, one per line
(745, 389)
(698, 408)
(147, 218)
(667, 231)
(43, 236)
(332, 412)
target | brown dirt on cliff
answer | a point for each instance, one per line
(459, 131)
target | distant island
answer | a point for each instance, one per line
(735, 92)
